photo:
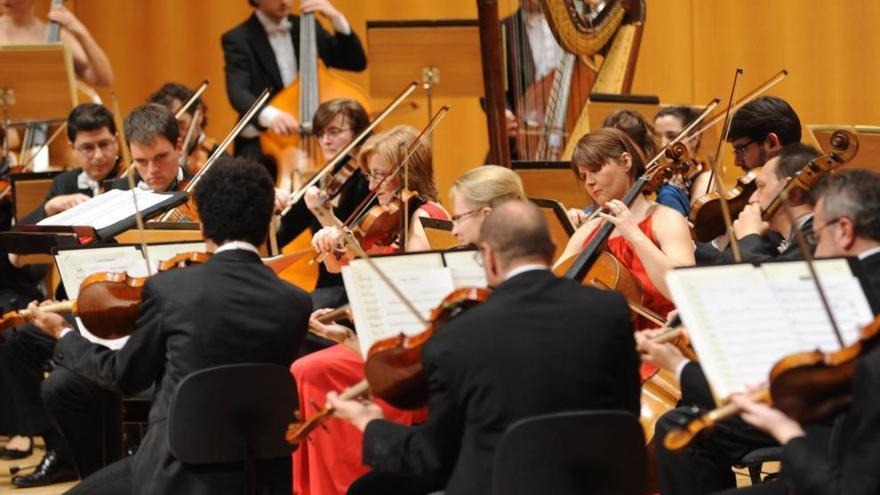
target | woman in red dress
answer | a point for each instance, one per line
(330, 460)
(649, 239)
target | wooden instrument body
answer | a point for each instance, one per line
(706, 216)
(290, 151)
(108, 304)
(394, 366)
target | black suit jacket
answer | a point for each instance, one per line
(232, 309)
(757, 249)
(251, 66)
(540, 344)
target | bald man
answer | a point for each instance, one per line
(540, 344)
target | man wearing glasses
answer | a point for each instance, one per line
(92, 134)
(760, 129)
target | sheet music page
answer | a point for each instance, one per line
(466, 272)
(797, 293)
(742, 319)
(377, 311)
(105, 209)
(734, 321)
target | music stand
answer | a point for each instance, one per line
(444, 55)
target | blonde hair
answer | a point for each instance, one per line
(488, 185)
(392, 146)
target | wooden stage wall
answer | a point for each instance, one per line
(688, 54)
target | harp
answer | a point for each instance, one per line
(600, 42)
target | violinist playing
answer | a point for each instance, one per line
(846, 224)
(378, 158)
(539, 344)
(330, 461)
(669, 122)
(337, 122)
(235, 292)
(649, 239)
(153, 135)
(271, 35)
(172, 96)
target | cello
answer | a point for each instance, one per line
(297, 153)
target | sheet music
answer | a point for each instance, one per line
(105, 209)
(161, 252)
(742, 319)
(466, 272)
(377, 312)
(75, 265)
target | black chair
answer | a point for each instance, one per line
(581, 452)
(233, 413)
(754, 461)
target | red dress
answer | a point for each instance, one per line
(651, 297)
(330, 460)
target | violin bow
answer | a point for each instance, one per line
(297, 196)
(123, 141)
(725, 208)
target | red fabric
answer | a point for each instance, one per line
(651, 298)
(330, 460)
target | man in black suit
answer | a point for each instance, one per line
(91, 132)
(540, 344)
(191, 319)
(262, 53)
(761, 241)
(845, 224)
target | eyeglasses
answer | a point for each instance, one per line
(331, 132)
(738, 150)
(817, 232)
(376, 176)
(87, 149)
(456, 219)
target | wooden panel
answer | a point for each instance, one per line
(439, 233)
(400, 53)
(41, 80)
(558, 184)
(159, 235)
(29, 191)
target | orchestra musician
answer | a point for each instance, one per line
(262, 52)
(759, 130)
(845, 224)
(172, 96)
(337, 122)
(774, 239)
(649, 239)
(668, 123)
(328, 462)
(19, 26)
(235, 201)
(491, 366)
(153, 135)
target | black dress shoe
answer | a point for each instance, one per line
(49, 471)
(17, 454)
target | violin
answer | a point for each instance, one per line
(394, 366)
(706, 216)
(806, 386)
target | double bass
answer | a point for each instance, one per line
(297, 153)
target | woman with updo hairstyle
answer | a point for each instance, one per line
(475, 193)
(668, 123)
(649, 239)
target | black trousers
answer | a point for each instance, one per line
(250, 148)
(114, 479)
(376, 483)
(89, 418)
(27, 352)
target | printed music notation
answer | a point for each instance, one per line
(742, 319)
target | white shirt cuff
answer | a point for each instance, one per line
(340, 25)
(64, 332)
(680, 369)
(267, 115)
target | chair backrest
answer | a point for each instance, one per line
(217, 411)
(583, 452)
(29, 190)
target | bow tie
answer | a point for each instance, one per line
(282, 27)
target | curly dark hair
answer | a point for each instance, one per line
(89, 117)
(235, 199)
